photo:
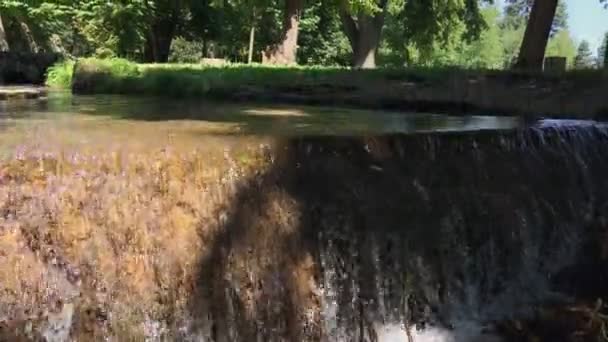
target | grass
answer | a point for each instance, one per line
(183, 80)
(118, 75)
(60, 75)
(444, 90)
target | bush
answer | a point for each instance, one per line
(115, 75)
(59, 75)
(185, 51)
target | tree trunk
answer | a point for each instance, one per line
(251, 40)
(366, 45)
(532, 51)
(158, 42)
(3, 41)
(160, 34)
(286, 51)
(364, 35)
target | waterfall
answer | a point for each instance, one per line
(433, 237)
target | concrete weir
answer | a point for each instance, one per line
(22, 92)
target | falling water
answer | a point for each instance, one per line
(432, 234)
(432, 237)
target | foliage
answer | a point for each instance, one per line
(602, 53)
(584, 57)
(485, 52)
(517, 12)
(60, 75)
(194, 80)
(113, 28)
(185, 51)
(513, 25)
(430, 22)
(511, 41)
(466, 33)
(120, 76)
(321, 39)
(562, 45)
(34, 22)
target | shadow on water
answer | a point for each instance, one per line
(344, 237)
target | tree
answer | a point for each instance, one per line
(285, 51)
(584, 58)
(3, 41)
(363, 26)
(536, 36)
(513, 26)
(602, 53)
(425, 24)
(321, 39)
(562, 45)
(114, 28)
(164, 18)
(517, 11)
(487, 51)
(29, 25)
(484, 51)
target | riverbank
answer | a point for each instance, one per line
(577, 94)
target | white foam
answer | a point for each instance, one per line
(464, 332)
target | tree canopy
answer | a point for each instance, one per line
(518, 11)
(584, 57)
(363, 33)
(602, 53)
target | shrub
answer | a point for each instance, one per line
(185, 51)
(60, 75)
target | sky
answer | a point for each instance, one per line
(587, 20)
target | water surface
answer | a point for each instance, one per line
(191, 116)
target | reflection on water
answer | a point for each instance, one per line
(207, 117)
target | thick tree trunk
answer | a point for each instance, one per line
(3, 41)
(366, 46)
(285, 52)
(532, 51)
(158, 42)
(364, 35)
(161, 33)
